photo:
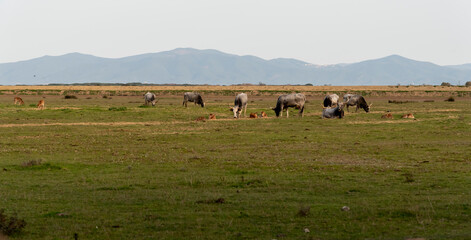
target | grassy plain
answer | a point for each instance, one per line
(113, 169)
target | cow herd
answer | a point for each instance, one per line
(332, 108)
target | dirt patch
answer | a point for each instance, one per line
(87, 124)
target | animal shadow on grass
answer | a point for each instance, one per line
(303, 211)
(212, 201)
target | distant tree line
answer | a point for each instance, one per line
(446, 84)
(122, 84)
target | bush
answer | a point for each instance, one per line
(450, 99)
(446, 84)
(70, 97)
(10, 225)
(468, 84)
(32, 163)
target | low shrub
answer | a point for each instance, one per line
(117, 108)
(10, 225)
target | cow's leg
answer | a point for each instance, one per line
(245, 110)
(356, 110)
(287, 113)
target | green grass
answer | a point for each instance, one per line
(111, 169)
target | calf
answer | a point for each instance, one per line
(41, 104)
(409, 115)
(387, 116)
(212, 116)
(263, 115)
(18, 101)
(202, 119)
(253, 115)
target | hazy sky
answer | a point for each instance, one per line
(319, 32)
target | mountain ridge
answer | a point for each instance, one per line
(209, 66)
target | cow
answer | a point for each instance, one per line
(359, 101)
(193, 97)
(336, 112)
(201, 119)
(295, 100)
(18, 100)
(410, 115)
(253, 115)
(149, 98)
(388, 116)
(263, 115)
(240, 103)
(212, 116)
(331, 100)
(41, 104)
(346, 97)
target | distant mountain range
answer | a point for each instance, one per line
(192, 66)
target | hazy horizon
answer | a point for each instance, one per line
(317, 32)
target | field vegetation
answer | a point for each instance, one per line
(100, 167)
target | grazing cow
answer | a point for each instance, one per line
(193, 97)
(295, 100)
(347, 96)
(331, 100)
(387, 116)
(212, 116)
(149, 98)
(359, 101)
(410, 115)
(263, 115)
(336, 112)
(253, 115)
(18, 101)
(41, 104)
(240, 103)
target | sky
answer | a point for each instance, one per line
(318, 32)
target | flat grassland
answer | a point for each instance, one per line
(103, 166)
